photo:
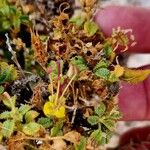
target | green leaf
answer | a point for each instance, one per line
(115, 114)
(1, 137)
(16, 21)
(109, 135)
(107, 50)
(16, 115)
(101, 64)
(10, 103)
(5, 10)
(8, 73)
(109, 124)
(79, 62)
(113, 77)
(103, 141)
(3, 3)
(31, 128)
(45, 122)
(102, 73)
(6, 24)
(31, 115)
(8, 128)
(13, 100)
(11, 16)
(81, 145)
(1, 89)
(93, 120)
(56, 130)
(24, 18)
(5, 115)
(100, 109)
(90, 28)
(77, 20)
(55, 68)
(97, 136)
(23, 109)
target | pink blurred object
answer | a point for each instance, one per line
(135, 139)
(127, 17)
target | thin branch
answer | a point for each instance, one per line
(58, 90)
(51, 84)
(37, 138)
(74, 115)
(86, 102)
(14, 57)
(76, 106)
(67, 86)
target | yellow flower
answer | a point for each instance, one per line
(119, 71)
(52, 109)
(49, 108)
(60, 112)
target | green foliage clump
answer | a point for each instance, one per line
(79, 62)
(13, 119)
(105, 120)
(8, 73)
(11, 16)
(73, 104)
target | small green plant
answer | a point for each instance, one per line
(11, 17)
(67, 97)
(104, 120)
(8, 73)
(13, 118)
